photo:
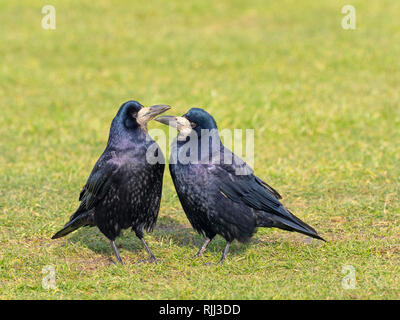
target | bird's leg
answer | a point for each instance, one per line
(151, 258)
(221, 261)
(115, 249)
(226, 250)
(203, 248)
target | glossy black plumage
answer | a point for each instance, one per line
(124, 189)
(223, 197)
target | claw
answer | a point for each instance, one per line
(151, 259)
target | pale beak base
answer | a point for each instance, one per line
(148, 113)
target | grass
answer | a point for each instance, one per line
(324, 103)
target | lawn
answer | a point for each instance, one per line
(324, 104)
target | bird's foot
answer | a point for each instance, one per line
(151, 259)
(220, 262)
(118, 262)
(200, 256)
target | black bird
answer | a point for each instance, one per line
(218, 191)
(124, 189)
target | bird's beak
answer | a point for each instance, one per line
(148, 113)
(168, 120)
(180, 123)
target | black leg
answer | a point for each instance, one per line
(203, 247)
(151, 258)
(114, 247)
(226, 250)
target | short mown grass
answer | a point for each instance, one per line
(323, 101)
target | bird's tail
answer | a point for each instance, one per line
(75, 223)
(289, 223)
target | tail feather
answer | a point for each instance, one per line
(80, 221)
(294, 224)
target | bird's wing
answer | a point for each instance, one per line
(247, 189)
(97, 184)
(269, 188)
(238, 182)
(240, 168)
(253, 192)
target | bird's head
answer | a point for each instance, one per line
(130, 123)
(195, 119)
(200, 119)
(133, 115)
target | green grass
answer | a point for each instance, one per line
(324, 103)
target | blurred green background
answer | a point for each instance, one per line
(323, 101)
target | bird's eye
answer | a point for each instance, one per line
(193, 125)
(134, 114)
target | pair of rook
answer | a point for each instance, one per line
(219, 197)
